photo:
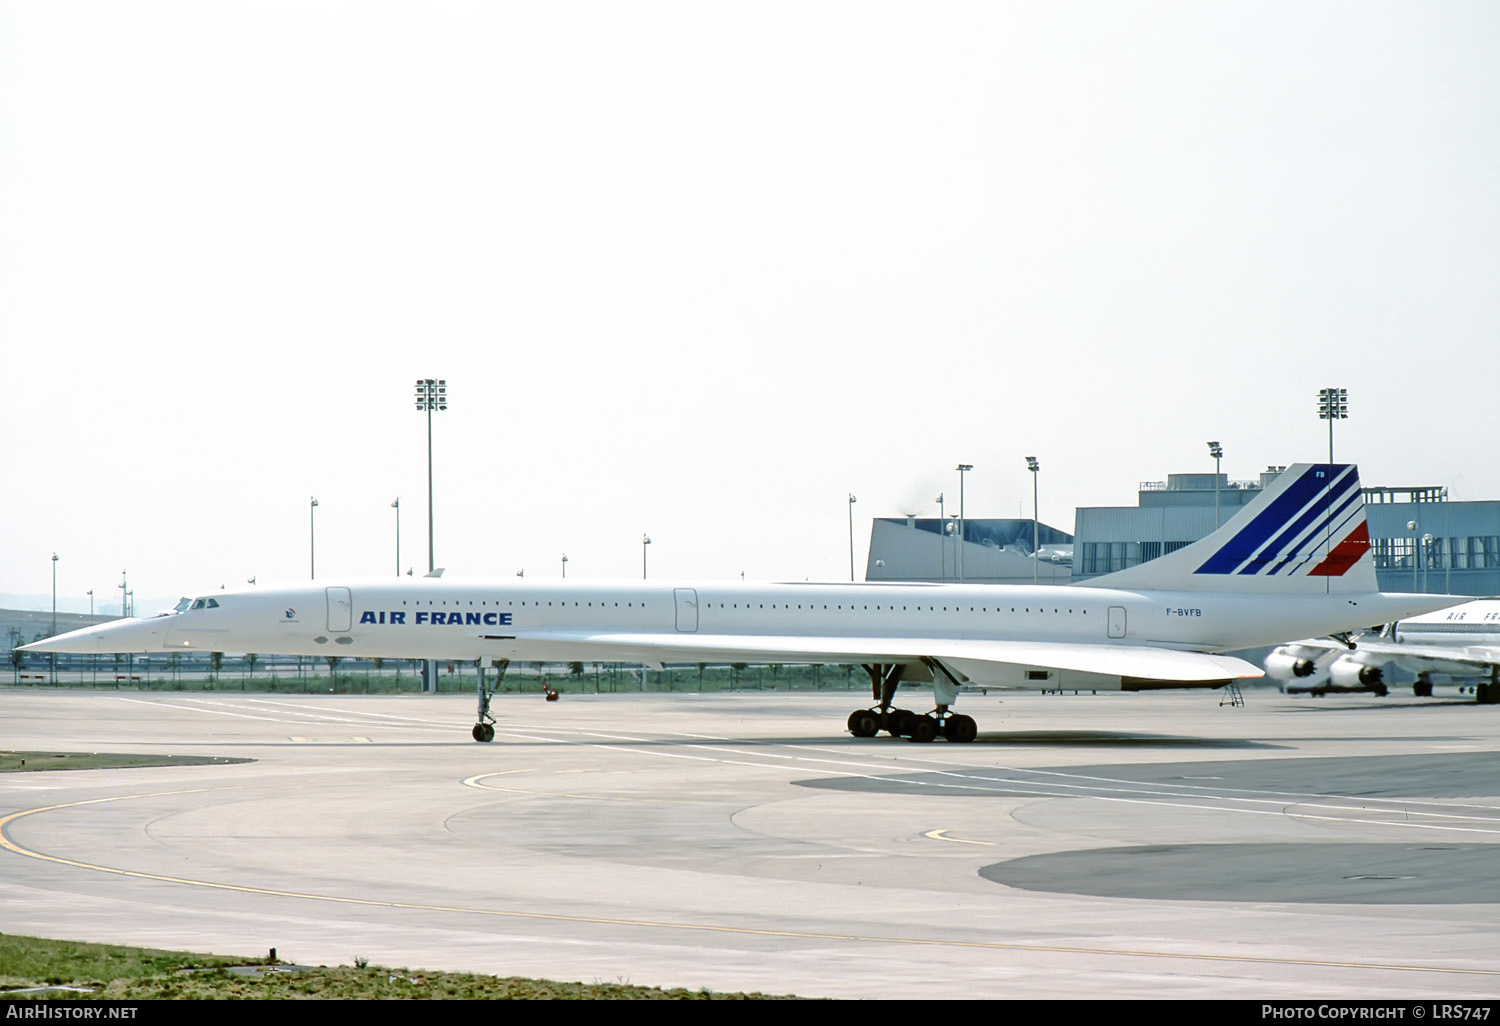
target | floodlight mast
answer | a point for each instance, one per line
(432, 394)
(1333, 404)
(1217, 452)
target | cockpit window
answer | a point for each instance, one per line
(182, 605)
(213, 603)
(199, 604)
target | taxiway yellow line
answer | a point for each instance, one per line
(942, 835)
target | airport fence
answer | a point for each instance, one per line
(316, 676)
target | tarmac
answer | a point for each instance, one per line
(1111, 846)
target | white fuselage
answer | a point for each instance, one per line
(524, 620)
(1472, 623)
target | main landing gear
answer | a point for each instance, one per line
(484, 728)
(1488, 693)
(903, 722)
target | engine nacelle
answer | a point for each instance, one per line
(1348, 673)
(1283, 665)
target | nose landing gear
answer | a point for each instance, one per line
(484, 728)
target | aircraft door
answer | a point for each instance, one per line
(1116, 621)
(687, 608)
(340, 610)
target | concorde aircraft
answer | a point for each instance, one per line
(1293, 562)
(1460, 643)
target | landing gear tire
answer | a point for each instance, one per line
(898, 722)
(960, 729)
(923, 728)
(483, 732)
(1422, 689)
(863, 723)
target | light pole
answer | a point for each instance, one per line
(565, 566)
(125, 596)
(852, 501)
(958, 558)
(1033, 466)
(312, 539)
(396, 505)
(1216, 451)
(54, 614)
(432, 394)
(94, 656)
(1411, 525)
(1333, 404)
(645, 540)
(942, 539)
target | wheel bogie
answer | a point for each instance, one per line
(954, 727)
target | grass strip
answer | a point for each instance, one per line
(116, 972)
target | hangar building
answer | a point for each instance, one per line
(989, 552)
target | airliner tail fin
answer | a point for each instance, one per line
(1305, 534)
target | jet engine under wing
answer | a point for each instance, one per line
(1472, 660)
(1317, 666)
(1025, 664)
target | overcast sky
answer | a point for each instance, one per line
(703, 269)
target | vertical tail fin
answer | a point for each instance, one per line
(1305, 533)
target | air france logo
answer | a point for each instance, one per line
(291, 614)
(436, 618)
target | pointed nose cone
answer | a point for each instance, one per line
(132, 635)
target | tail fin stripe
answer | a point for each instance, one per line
(1345, 554)
(1244, 544)
(1318, 509)
(1290, 503)
(1322, 532)
(1331, 537)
